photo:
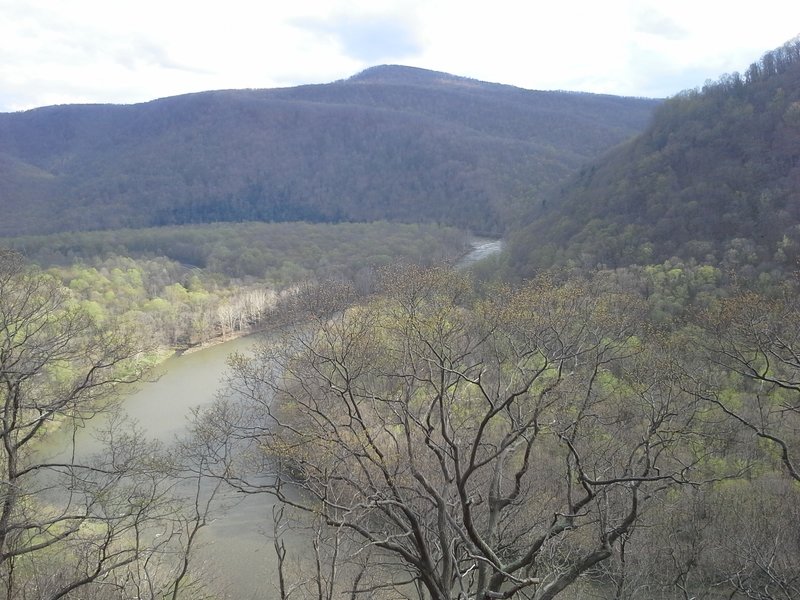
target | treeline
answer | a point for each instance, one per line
(628, 434)
(385, 148)
(174, 307)
(280, 253)
(713, 179)
(188, 285)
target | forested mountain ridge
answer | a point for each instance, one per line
(391, 143)
(627, 433)
(715, 178)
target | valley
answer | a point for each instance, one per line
(512, 343)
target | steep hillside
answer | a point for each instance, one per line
(391, 143)
(715, 178)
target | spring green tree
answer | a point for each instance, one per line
(113, 525)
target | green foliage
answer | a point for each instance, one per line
(279, 253)
(237, 270)
(712, 180)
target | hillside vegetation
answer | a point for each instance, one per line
(625, 427)
(392, 143)
(277, 253)
(714, 178)
(191, 284)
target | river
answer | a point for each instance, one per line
(236, 551)
(481, 248)
(236, 555)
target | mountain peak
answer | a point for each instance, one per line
(410, 75)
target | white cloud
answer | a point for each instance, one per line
(126, 51)
(367, 38)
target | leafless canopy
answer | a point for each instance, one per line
(491, 447)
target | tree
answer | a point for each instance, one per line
(488, 448)
(104, 526)
(743, 362)
(755, 341)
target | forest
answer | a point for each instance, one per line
(188, 286)
(414, 428)
(388, 144)
(713, 179)
(608, 410)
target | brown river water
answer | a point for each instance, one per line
(236, 548)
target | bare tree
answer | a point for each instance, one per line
(492, 448)
(756, 339)
(109, 525)
(748, 368)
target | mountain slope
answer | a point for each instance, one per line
(714, 178)
(391, 143)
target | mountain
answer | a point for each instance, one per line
(714, 178)
(395, 143)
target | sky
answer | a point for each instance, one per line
(123, 51)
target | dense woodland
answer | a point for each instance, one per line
(529, 442)
(191, 285)
(625, 424)
(714, 179)
(423, 423)
(389, 144)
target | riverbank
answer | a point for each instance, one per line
(481, 248)
(216, 341)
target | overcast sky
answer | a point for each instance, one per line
(123, 51)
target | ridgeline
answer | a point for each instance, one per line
(715, 178)
(391, 143)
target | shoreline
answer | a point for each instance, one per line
(480, 248)
(216, 341)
